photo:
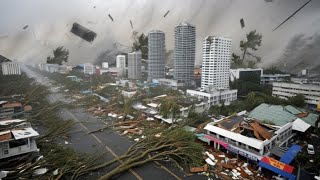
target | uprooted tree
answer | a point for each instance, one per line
(177, 145)
(140, 44)
(60, 55)
(251, 43)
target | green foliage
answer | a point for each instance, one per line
(169, 108)
(250, 84)
(194, 118)
(267, 122)
(60, 55)
(252, 42)
(220, 110)
(140, 44)
(236, 61)
(297, 101)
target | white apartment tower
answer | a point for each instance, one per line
(156, 55)
(134, 65)
(184, 52)
(121, 61)
(216, 62)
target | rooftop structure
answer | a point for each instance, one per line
(281, 115)
(249, 137)
(246, 74)
(270, 78)
(215, 97)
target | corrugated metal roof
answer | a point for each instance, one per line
(290, 154)
(292, 109)
(280, 115)
(272, 113)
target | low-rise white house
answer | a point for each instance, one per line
(215, 97)
(171, 83)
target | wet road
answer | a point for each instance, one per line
(106, 145)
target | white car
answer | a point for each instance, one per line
(310, 149)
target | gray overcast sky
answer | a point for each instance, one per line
(50, 22)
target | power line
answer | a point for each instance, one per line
(292, 15)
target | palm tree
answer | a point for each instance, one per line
(170, 108)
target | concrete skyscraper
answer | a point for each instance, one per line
(216, 62)
(121, 61)
(156, 55)
(134, 65)
(184, 52)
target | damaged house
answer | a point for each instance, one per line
(10, 108)
(16, 138)
(251, 138)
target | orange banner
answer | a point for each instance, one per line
(277, 164)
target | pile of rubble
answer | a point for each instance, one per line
(222, 165)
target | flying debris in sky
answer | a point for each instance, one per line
(83, 32)
(166, 14)
(242, 23)
(94, 7)
(110, 17)
(131, 24)
(25, 27)
(291, 15)
(268, 0)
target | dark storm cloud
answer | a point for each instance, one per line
(50, 23)
(301, 52)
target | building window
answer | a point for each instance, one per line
(17, 143)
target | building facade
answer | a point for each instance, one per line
(156, 55)
(88, 68)
(216, 62)
(171, 83)
(246, 74)
(105, 65)
(121, 61)
(284, 90)
(134, 65)
(184, 52)
(215, 97)
(10, 68)
(249, 147)
(268, 79)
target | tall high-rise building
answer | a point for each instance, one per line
(156, 55)
(121, 61)
(134, 65)
(216, 62)
(184, 52)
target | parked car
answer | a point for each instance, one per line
(310, 149)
